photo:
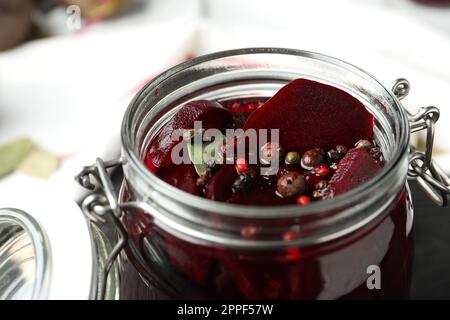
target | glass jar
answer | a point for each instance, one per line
(180, 246)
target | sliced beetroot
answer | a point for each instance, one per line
(354, 169)
(196, 262)
(310, 114)
(219, 187)
(259, 193)
(182, 176)
(211, 113)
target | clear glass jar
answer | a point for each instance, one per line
(183, 246)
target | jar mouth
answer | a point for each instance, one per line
(244, 211)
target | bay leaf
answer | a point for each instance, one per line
(203, 153)
(12, 154)
(39, 163)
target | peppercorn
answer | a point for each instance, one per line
(271, 151)
(322, 170)
(322, 184)
(242, 182)
(303, 199)
(341, 149)
(317, 194)
(292, 158)
(312, 158)
(334, 166)
(291, 184)
(375, 153)
(366, 144)
(241, 165)
(333, 155)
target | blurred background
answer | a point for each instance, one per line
(68, 68)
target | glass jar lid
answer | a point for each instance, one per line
(24, 257)
(45, 247)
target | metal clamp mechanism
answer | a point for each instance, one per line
(101, 209)
(431, 178)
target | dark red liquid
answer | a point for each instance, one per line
(160, 265)
(176, 269)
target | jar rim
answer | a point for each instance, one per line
(245, 211)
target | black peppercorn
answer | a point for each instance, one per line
(333, 155)
(237, 120)
(341, 149)
(322, 184)
(242, 182)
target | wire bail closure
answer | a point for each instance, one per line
(103, 209)
(431, 178)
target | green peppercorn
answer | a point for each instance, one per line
(292, 158)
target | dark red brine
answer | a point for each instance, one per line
(326, 148)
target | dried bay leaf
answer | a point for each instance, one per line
(12, 154)
(39, 163)
(201, 154)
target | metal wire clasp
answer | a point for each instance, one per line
(431, 178)
(102, 209)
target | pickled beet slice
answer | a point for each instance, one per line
(211, 113)
(219, 187)
(182, 176)
(354, 169)
(196, 262)
(310, 114)
(259, 193)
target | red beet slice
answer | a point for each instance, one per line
(219, 187)
(310, 114)
(259, 193)
(182, 176)
(195, 261)
(354, 169)
(211, 113)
